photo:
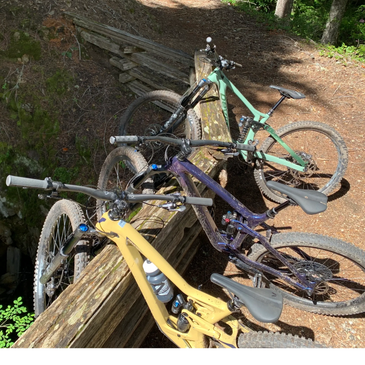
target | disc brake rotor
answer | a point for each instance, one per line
(317, 273)
(298, 177)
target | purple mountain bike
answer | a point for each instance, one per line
(314, 273)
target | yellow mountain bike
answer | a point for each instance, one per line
(190, 318)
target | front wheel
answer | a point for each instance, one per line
(118, 172)
(274, 340)
(147, 114)
(337, 267)
(316, 143)
(62, 219)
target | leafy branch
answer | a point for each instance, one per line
(14, 321)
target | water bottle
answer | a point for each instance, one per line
(160, 284)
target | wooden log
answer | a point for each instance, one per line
(214, 125)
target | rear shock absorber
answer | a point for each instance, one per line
(244, 124)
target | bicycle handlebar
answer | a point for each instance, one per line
(48, 184)
(182, 141)
(222, 62)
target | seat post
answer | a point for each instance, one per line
(276, 105)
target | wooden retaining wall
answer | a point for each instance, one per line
(105, 308)
(144, 65)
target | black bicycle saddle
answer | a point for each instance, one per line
(311, 201)
(289, 93)
(265, 305)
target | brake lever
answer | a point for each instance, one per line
(229, 152)
(172, 207)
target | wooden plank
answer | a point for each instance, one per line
(152, 79)
(122, 63)
(139, 88)
(157, 66)
(102, 42)
(125, 77)
(120, 36)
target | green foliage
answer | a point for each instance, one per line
(14, 321)
(65, 175)
(60, 82)
(83, 148)
(308, 20)
(21, 43)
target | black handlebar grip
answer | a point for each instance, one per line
(123, 139)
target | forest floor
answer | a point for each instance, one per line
(334, 89)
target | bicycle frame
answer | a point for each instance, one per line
(183, 169)
(217, 77)
(209, 310)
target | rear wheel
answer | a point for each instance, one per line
(274, 340)
(317, 144)
(336, 266)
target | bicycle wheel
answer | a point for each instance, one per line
(118, 170)
(337, 266)
(316, 143)
(62, 219)
(146, 115)
(274, 340)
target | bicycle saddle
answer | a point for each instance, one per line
(311, 201)
(265, 305)
(291, 94)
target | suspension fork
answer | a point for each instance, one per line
(65, 251)
(188, 102)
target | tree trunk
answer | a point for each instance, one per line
(331, 31)
(283, 8)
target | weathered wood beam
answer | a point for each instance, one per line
(121, 36)
(122, 63)
(156, 65)
(102, 42)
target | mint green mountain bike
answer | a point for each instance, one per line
(304, 154)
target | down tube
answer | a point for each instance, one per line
(185, 168)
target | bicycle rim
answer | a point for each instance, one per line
(337, 267)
